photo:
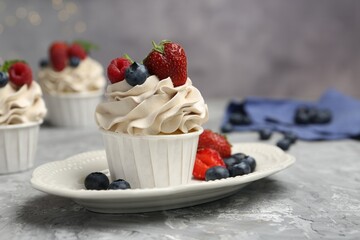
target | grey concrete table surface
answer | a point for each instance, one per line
(318, 197)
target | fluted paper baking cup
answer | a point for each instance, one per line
(73, 109)
(18, 147)
(151, 161)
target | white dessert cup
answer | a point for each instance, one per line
(72, 109)
(152, 161)
(18, 144)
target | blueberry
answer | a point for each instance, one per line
(228, 127)
(284, 144)
(247, 120)
(305, 115)
(265, 134)
(301, 118)
(44, 63)
(291, 136)
(119, 184)
(4, 79)
(323, 116)
(239, 119)
(136, 74)
(231, 161)
(239, 156)
(96, 181)
(251, 161)
(239, 169)
(74, 61)
(312, 112)
(217, 172)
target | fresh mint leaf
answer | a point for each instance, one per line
(7, 64)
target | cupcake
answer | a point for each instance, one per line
(152, 119)
(73, 84)
(22, 110)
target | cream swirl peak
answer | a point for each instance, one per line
(21, 105)
(152, 108)
(88, 76)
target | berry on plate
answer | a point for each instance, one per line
(58, 53)
(239, 156)
(167, 59)
(136, 74)
(217, 172)
(239, 169)
(205, 159)
(210, 139)
(234, 159)
(20, 74)
(119, 184)
(116, 69)
(251, 161)
(230, 161)
(96, 181)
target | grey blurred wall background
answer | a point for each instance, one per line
(235, 48)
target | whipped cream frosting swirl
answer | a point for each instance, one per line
(21, 105)
(155, 107)
(87, 77)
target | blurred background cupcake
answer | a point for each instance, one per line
(22, 110)
(73, 83)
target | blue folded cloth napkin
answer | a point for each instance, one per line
(278, 115)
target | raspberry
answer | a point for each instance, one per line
(116, 69)
(58, 55)
(76, 50)
(20, 74)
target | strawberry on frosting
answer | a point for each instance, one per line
(168, 59)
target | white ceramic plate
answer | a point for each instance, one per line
(66, 179)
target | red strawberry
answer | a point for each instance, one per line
(116, 69)
(157, 64)
(58, 53)
(205, 159)
(168, 59)
(76, 50)
(20, 74)
(210, 139)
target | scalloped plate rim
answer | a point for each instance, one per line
(83, 194)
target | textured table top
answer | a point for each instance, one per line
(318, 197)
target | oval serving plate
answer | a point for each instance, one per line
(66, 179)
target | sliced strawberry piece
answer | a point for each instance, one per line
(20, 74)
(116, 69)
(205, 159)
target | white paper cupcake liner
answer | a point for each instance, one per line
(18, 147)
(72, 110)
(151, 161)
